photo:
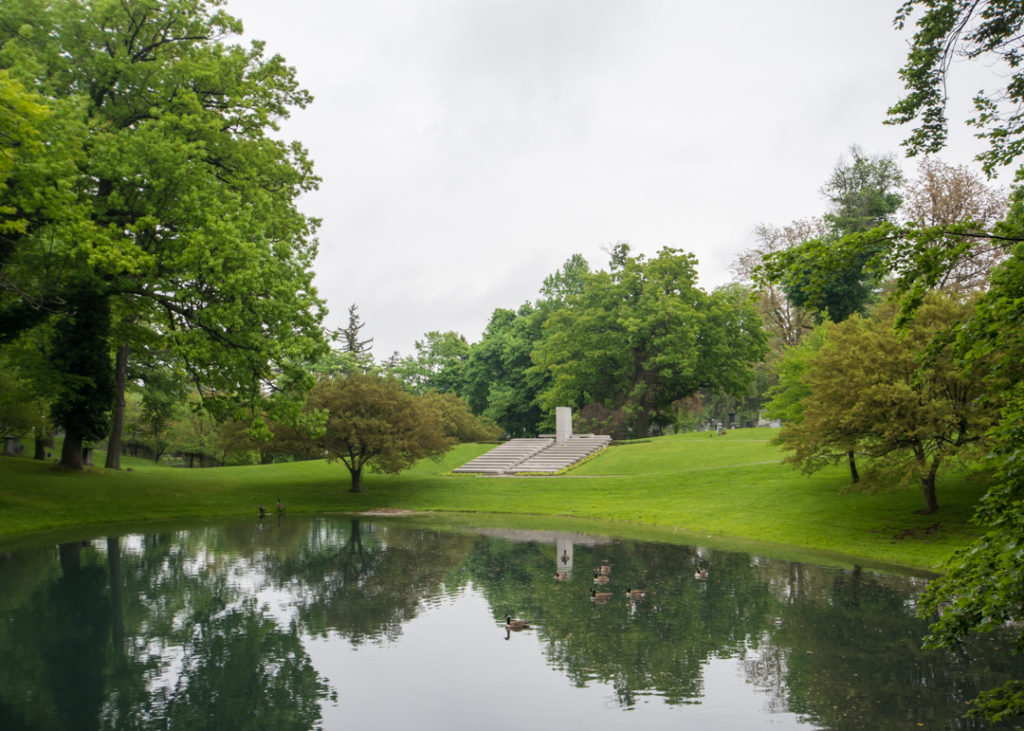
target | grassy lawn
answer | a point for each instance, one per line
(727, 490)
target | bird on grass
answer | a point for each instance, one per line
(600, 596)
(263, 512)
(700, 574)
(515, 623)
(604, 569)
(635, 593)
(280, 505)
(599, 579)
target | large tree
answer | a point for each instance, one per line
(642, 335)
(981, 588)
(184, 203)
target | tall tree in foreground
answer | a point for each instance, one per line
(981, 589)
(181, 205)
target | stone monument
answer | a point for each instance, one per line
(563, 424)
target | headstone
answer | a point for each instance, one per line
(11, 446)
(87, 455)
(563, 424)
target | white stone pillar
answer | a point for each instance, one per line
(563, 424)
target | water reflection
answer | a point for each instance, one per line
(283, 624)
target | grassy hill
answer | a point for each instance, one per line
(726, 489)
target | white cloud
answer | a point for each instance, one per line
(469, 147)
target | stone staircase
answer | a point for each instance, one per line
(543, 454)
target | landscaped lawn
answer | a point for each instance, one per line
(727, 489)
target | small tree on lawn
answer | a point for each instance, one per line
(372, 421)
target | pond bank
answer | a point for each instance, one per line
(663, 489)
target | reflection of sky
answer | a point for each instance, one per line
(453, 668)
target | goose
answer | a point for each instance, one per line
(280, 506)
(700, 574)
(263, 511)
(604, 569)
(515, 623)
(635, 593)
(562, 575)
(598, 579)
(600, 596)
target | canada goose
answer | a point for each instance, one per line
(604, 569)
(700, 574)
(635, 593)
(515, 623)
(280, 507)
(263, 512)
(598, 579)
(600, 596)
(562, 575)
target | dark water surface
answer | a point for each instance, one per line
(384, 624)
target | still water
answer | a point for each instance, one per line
(388, 623)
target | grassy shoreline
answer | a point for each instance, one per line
(729, 491)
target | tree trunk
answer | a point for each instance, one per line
(852, 459)
(643, 424)
(931, 503)
(114, 446)
(40, 452)
(71, 452)
(357, 477)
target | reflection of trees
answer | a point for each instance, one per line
(239, 670)
(365, 581)
(659, 644)
(157, 638)
(155, 632)
(853, 656)
(54, 648)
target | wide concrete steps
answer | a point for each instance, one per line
(536, 455)
(505, 457)
(558, 457)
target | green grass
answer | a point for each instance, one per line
(728, 490)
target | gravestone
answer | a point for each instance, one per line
(11, 446)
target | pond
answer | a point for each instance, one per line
(389, 623)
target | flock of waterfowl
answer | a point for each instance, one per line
(602, 576)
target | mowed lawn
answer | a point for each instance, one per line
(730, 490)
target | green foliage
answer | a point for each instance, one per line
(80, 354)
(864, 192)
(892, 395)
(824, 276)
(178, 202)
(438, 364)
(641, 336)
(947, 30)
(500, 382)
(982, 585)
(458, 423)
(372, 421)
(791, 391)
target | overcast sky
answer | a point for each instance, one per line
(469, 147)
